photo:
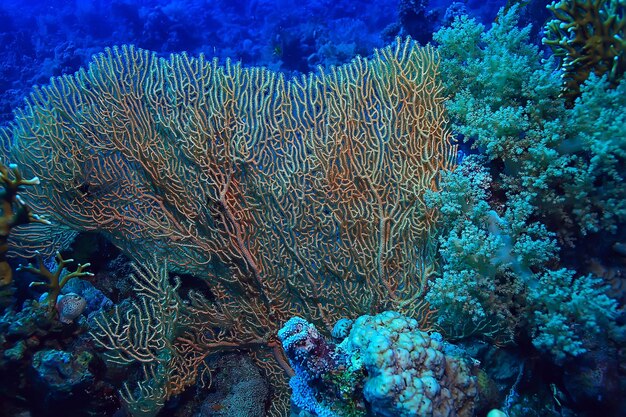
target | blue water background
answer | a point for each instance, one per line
(41, 39)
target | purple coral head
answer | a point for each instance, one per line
(299, 337)
(307, 350)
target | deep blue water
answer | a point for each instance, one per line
(51, 38)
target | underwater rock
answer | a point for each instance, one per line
(61, 371)
(31, 319)
(592, 381)
(67, 383)
(241, 390)
(503, 365)
(16, 352)
(23, 333)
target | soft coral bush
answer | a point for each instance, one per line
(568, 164)
(498, 278)
(568, 309)
(551, 176)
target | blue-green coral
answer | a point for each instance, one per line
(550, 177)
(562, 162)
(496, 279)
(488, 255)
(385, 367)
(568, 309)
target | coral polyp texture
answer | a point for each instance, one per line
(385, 367)
(590, 37)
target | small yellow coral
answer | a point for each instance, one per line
(589, 36)
(14, 212)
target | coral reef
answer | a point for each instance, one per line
(385, 367)
(50, 366)
(61, 372)
(245, 198)
(263, 187)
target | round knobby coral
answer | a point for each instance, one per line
(385, 367)
(409, 371)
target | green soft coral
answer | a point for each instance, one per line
(487, 257)
(495, 95)
(496, 279)
(486, 64)
(564, 162)
(556, 175)
(596, 139)
(573, 174)
(568, 310)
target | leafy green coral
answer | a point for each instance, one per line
(505, 97)
(568, 309)
(550, 176)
